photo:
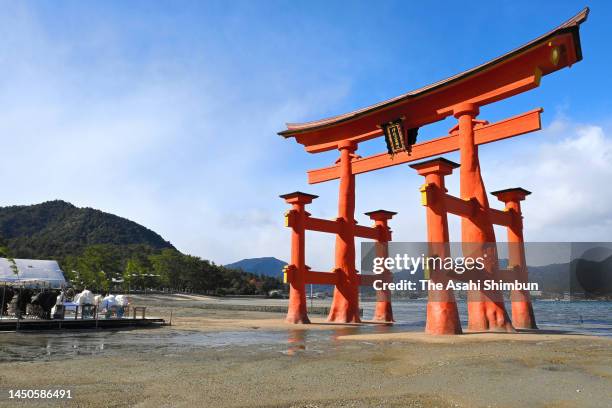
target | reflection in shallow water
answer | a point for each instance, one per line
(383, 328)
(26, 346)
(346, 331)
(296, 341)
(584, 317)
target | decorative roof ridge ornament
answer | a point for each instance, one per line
(397, 137)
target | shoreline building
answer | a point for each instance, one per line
(36, 273)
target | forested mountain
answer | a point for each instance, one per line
(99, 250)
(268, 266)
(58, 229)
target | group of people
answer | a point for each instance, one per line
(27, 302)
(107, 305)
(53, 303)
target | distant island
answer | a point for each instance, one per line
(267, 266)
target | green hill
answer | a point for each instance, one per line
(55, 229)
(100, 251)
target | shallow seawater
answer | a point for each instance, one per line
(582, 317)
(594, 317)
(50, 345)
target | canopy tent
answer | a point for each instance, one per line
(31, 273)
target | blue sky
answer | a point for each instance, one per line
(167, 112)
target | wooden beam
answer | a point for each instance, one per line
(460, 207)
(362, 231)
(515, 126)
(368, 280)
(321, 225)
(467, 208)
(322, 147)
(321, 278)
(333, 227)
(499, 217)
(524, 84)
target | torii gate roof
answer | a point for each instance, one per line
(512, 73)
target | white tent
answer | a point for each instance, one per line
(31, 273)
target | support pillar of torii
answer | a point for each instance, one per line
(522, 309)
(442, 313)
(442, 316)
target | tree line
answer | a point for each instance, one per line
(106, 267)
(137, 267)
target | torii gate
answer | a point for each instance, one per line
(461, 96)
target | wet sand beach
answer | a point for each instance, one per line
(217, 358)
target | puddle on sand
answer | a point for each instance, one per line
(582, 317)
(31, 346)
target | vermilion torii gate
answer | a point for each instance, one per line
(398, 120)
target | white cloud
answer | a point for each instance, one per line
(569, 173)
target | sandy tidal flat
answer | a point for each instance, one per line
(337, 367)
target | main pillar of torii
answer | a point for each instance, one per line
(345, 303)
(486, 309)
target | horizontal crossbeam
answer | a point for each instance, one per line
(331, 278)
(333, 227)
(322, 225)
(367, 232)
(499, 217)
(467, 208)
(457, 206)
(368, 280)
(321, 278)
(515, 126)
